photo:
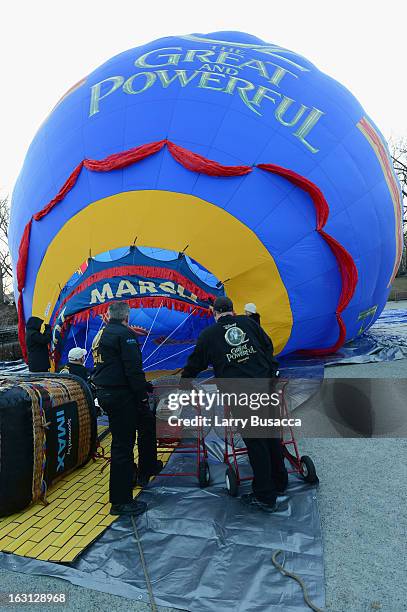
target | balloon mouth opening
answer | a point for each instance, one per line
(170, 297)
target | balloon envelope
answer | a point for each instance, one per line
(265, 171)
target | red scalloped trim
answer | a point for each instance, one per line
(21, 274)
(347, 267)
(321, 205)
(198, 163)
(126, 158)
(21, 327)
(65, 189)
(23, 256)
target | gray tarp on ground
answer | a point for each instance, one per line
(205, 551)
(386, 340)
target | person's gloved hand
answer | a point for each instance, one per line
(149, 387)
(142, 401)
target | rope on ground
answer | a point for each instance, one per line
(144, 566)
(300, 581)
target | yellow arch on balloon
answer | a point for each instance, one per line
(170, 220)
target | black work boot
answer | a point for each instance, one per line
(249, 499)
(133, 508)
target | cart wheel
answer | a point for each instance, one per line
(231, 481)
(308, 471)
(204, 474)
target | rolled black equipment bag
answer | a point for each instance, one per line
(48, 428)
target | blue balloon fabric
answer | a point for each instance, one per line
(237, 102)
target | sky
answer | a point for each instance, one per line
(47, 46)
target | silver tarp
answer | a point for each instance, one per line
(386, 340)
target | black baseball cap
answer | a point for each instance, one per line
(223, 304)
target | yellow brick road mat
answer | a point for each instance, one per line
(78, 513)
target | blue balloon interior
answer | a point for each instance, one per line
(166, 336)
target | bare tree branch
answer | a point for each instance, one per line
(399, 158)
(5, 262)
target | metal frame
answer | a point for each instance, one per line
(197, 447)
(230, 457)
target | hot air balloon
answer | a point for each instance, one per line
(206, 164)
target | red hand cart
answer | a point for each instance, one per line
(301, 465)
(171, 438)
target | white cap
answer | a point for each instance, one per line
(76, 354)
(250, 307)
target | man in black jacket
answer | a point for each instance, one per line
(122, 393)
(238, 348)
(37, 345)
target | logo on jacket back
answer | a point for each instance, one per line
(237, 339)
(235, 336)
